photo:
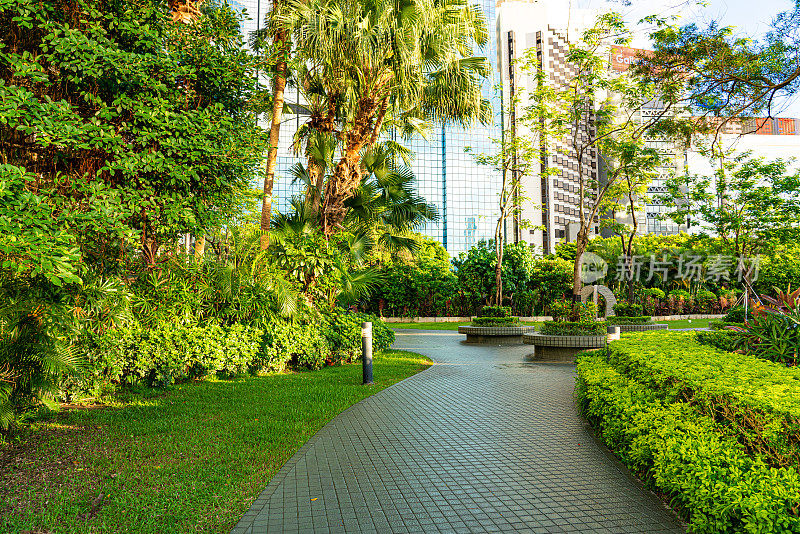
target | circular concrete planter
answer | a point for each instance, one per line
(641, 327)
(504, 335)
(561, 348)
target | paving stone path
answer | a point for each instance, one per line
(480, 442)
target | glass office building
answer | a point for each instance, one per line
(465, 193)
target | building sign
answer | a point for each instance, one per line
(623, 57)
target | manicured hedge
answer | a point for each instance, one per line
(757, 400)
(343, 332)
(568, 328)
(726, 340)
(286, 343)
(495, 321)
(721, 325)
(642, 319)
(171, 352)
(625, 309)
(495, 311)
(711, 477)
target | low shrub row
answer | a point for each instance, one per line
(495, 311)
(617, 320)
(726, 340)
(711, 477)
(574, 328)
(169, 353)
(626, 309)
(495, 321)
(722, 325)
(755, 399)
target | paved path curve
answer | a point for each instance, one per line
(480, 442)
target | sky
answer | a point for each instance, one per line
(749, 17)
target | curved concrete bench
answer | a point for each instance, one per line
(640, 327)
(561, 348)
(507, 335)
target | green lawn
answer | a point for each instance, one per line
(192, 458)
(695, 323)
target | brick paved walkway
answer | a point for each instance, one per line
(481, 442)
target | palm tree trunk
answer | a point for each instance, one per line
(278, 87)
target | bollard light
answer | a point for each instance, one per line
(366, 353)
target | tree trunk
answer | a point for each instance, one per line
(498, 280)
(317, 176)
(278, 86)
(580, 247)
(199, 246)
(343, 182)
(346, 177)
(629, 249)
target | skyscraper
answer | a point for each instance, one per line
(465, 193)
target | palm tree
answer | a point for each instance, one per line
(278, 60)
(385, 206)
(369, 60)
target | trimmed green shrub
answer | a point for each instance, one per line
(726, 340)
(168, 353)
(568, 328)
(707, 299)
(343, 332)
(735, 315)
(717, 324)
(623, 320)
(627, 309)
(495, 321)
(495, 311)
(709, 474)
(653, 292)
(757, 400)
(287, 343)
(561, 310)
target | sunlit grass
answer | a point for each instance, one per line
(191, 459)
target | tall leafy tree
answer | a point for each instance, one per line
(137, 126)
(751, 204)
(598, 110)
(728, 74)
(368, 60)
(119, 130)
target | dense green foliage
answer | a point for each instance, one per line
(757, 400)
(735, 315)
(495, 311)
(574, 328)
(120, 131)
(626, 309)
(712, 478)
(641, 319)
(726, 340)
(129, 129)
(495, 321)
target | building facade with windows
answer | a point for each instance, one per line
(550, 202)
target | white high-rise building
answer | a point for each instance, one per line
(542, 29)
